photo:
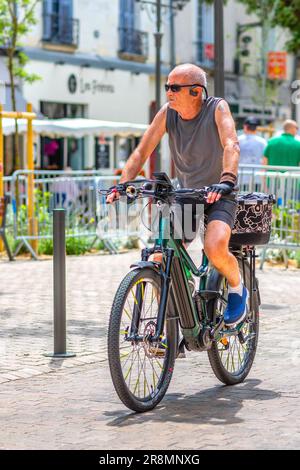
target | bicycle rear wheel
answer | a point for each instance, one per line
(231, 355)
(141, 371)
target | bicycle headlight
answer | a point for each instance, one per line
(131, 192)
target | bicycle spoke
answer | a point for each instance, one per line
(124, 355)
(153, 376)
(145, 379)
(131, 367)
(227, 362)
(138, 377)
(128, 314)
(158, 363)
(129, 354)
(232, 359)
(239, 354)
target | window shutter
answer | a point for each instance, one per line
(47, 20)
(65, 24)
(127, 25)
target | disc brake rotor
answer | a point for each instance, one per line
(152, 349)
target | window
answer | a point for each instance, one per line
(127, 14)
(103, 153)
(54, 153)
(59, 26)
(131, 40)
(205, 34)
(62, 110)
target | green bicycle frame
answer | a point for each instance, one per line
(197, 315)
(181, 270)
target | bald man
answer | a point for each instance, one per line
(284, 150)
(205, 150)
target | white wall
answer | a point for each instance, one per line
(186, 33)
(128, 102)
(133, 93)
(102, 16)
(33, 38)
(234, 12)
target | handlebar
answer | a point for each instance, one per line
(153, 188)
(158, 189)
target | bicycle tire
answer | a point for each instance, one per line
(130, 399)
(216, 361)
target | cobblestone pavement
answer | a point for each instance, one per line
(71, 404)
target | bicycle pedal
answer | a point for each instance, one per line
(181, 350)
(181, 355)
(209, 295)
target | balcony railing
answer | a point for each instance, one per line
(59, 29)
(133, 44)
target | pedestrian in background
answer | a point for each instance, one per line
(252, 148)
(284, 150)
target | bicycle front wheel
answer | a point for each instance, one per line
(141, 370)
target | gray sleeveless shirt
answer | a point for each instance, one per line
(195, 146)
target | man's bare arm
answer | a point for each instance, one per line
(148, 143)
(230, 143)
(228, 137)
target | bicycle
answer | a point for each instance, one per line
(154, 301)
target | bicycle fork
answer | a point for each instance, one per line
(162, 307)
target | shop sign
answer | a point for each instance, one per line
(209, 51)
(277, 65)
(72, 84)
(93, 86)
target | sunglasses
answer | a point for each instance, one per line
(177, 88)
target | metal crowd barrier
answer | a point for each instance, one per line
(284, 183)
(7, 187)
(87, 214)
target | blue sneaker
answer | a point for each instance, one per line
(236, 309)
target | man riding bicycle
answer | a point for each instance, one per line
(205, 151)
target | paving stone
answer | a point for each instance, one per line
(71, 404)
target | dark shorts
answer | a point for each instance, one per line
(223, 210)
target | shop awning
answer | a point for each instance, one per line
(76, 128)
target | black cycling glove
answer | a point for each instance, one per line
(221, 188)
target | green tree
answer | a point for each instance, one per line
(16, 20)
(287, 15)
(284, 13)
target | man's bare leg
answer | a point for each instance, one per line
(216, 248)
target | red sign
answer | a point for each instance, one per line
(277, 65)
(209, 51)
(101, 139)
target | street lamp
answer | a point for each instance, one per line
(160, 8)
(219, 48)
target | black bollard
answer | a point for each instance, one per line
(59, 285)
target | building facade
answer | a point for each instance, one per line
(96, 59)
(242, 59)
